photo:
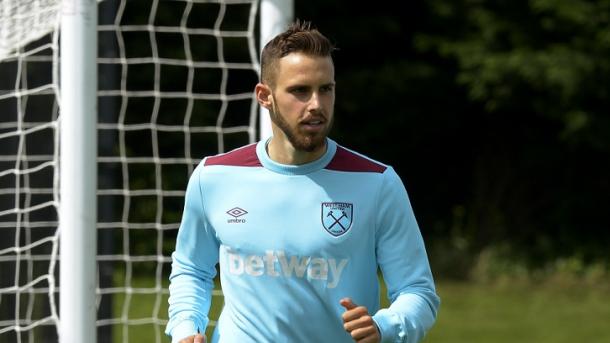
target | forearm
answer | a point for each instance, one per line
(189, 301)
(193, 266)
(403, 260)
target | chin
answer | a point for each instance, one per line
(310, 144)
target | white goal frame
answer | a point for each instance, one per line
(78, 171)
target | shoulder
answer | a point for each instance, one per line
(350, 161)
(240, 157)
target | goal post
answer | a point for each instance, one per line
(106, 107)
(78, 171)
(278, 14)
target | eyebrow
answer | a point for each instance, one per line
(295, 86)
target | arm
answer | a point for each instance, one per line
(193, 267)
(404, 263)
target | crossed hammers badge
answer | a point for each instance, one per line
(337, 217)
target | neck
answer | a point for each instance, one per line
(285, 153)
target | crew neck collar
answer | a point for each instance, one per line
(291, 169)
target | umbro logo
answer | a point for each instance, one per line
(236, 212)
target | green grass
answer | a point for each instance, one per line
(523, 312)
(141, 307)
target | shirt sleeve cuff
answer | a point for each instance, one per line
(389, 326)
(182, 330)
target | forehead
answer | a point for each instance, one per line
(296, 68)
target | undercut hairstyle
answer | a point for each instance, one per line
(299, 37)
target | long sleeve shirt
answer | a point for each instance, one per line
(290, 242)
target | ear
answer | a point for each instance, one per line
(264, 95)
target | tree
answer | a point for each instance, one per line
(495, 113)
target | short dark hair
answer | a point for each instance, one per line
(299, 37)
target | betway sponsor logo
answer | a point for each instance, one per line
(277, 263)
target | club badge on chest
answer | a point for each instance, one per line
(337, 217)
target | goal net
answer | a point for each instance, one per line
(175, 84)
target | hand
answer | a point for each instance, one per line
(358, 322)
(198, 338)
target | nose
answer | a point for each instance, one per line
(314, 102)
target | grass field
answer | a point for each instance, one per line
(546, 312)
(542, 313)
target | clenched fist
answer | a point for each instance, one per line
(359, 323)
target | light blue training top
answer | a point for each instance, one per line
(291, 241)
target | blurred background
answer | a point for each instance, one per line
(495, 113)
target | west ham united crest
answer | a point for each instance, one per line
(337, 217)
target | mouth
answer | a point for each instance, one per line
(313, 124)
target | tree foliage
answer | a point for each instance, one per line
(495, 113)
(548, 57)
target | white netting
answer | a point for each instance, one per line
(175, 84)
(23, 21)
(28, 160)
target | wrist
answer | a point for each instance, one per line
(388, 326)
(185, 329)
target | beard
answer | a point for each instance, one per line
(301, 141)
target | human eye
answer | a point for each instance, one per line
(299, 90)
(327, 88)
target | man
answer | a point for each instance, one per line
(299, 225)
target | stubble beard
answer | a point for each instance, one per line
(300, 141)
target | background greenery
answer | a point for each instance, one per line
(496, 115)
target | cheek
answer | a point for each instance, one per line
(289, 108)
(328, 98)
